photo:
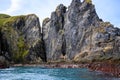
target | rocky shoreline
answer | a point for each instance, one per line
(53, 65)
(112, 69)
(107, 68)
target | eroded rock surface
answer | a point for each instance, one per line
(53, 33)
(78, 34)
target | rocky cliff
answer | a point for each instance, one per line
(71, 34)
(21, 39)
(53, 34)
(78, 34)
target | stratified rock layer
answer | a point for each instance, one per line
(79, 35)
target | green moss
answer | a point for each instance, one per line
(88, 1)
(19, 48)
(13, 19)
(6, 20)
(20, 42)
(2, 21)
(9, 32)
(22, 50)
(11, 36)
(4, 16)
(25, 53)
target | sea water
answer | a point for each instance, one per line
(39, 73)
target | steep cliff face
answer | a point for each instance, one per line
(79, 20)
(79, 35)
(53, 34)
(19, 39)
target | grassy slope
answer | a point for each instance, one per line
(15, 40)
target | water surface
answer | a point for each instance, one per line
(37, 73)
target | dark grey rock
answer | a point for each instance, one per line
(3, 62)
(53, 33)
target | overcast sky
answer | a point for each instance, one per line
(108, 10)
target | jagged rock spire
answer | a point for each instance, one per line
(60, 9)
(76, 1)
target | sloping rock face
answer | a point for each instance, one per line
(77, 34)
(21, 39)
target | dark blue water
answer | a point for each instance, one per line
(37, 73)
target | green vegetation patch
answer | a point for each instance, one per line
(2, 22)
(88, 1)
(4, 16)
(6, 20)
(22, 50)
(14, 19)
(19, 48)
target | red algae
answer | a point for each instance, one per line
(109, 68)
